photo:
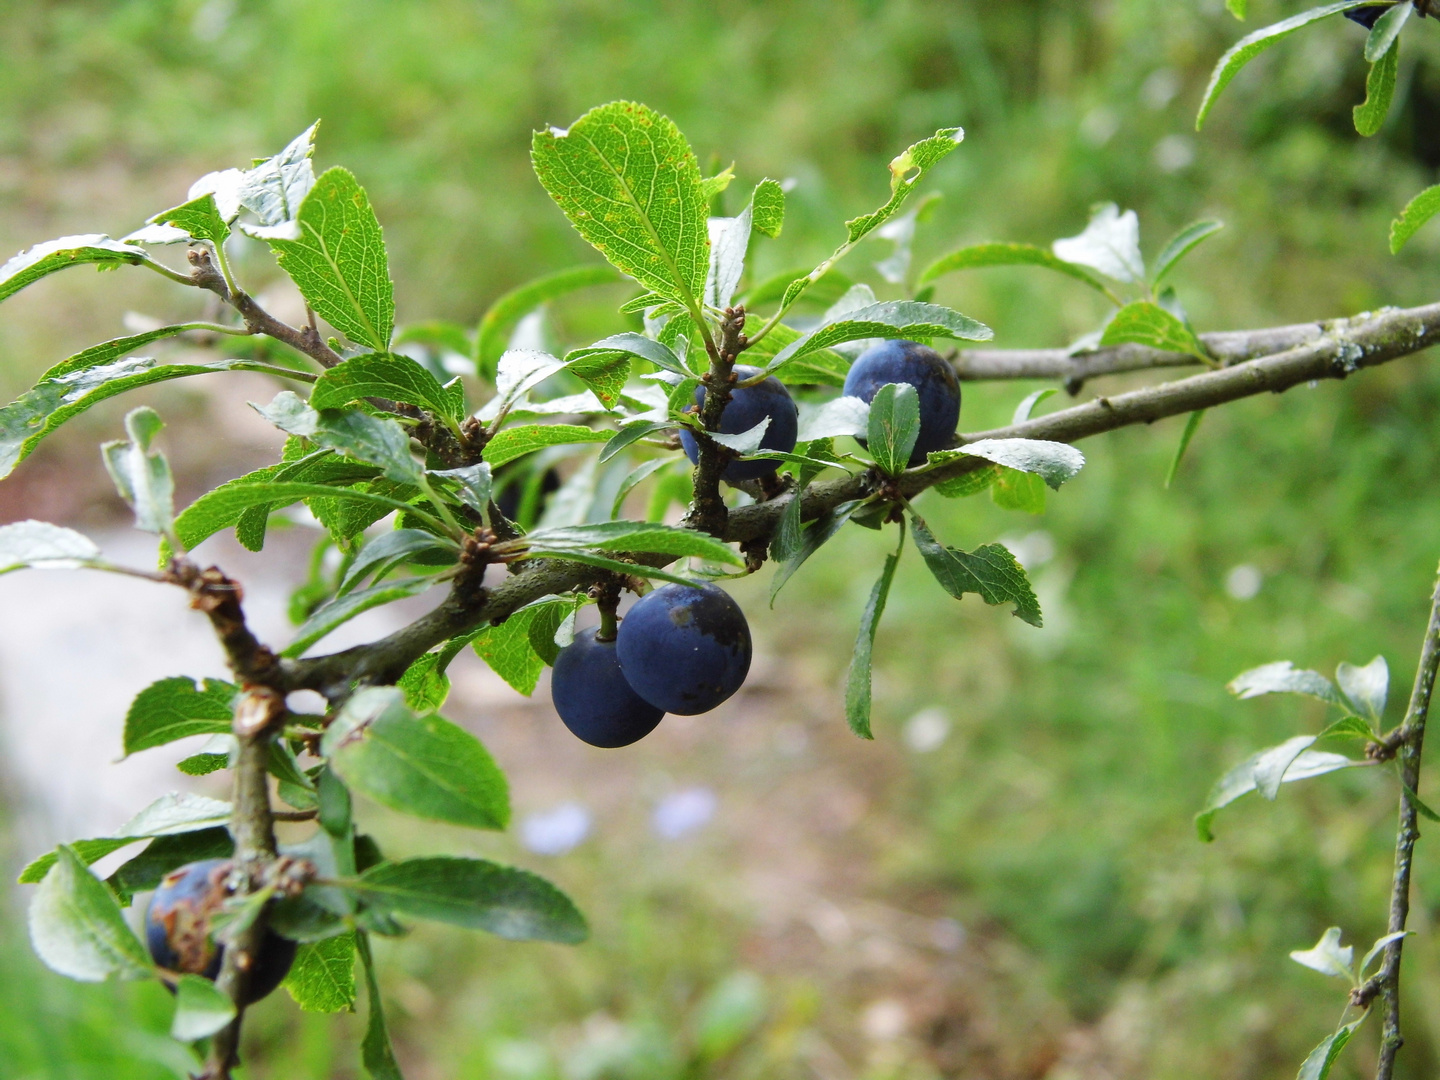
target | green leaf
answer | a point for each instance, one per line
(894, 426)
(1382, 942)
(425, 685)
(337, 260)
(1417, 212)
(1012, 489)
(519, 648)
(477, 895)
(198, 217)
(176, 708)
(1347, 727)
(1191, 426)
(891, 319)
(1318, 1065)
(970, 483)
(1328, 956)
(420, 765)
(222, 507)
(1146, 323)
(605, 374)
(1180, 245)
(631, 536)
(767, 207)
(793, 544)
(506, 311)
(977, 256)
(1109, 244)
(218, 509)
(382, 375)
(587, 557)
(516, 442)
(167, 853)
(142, 476)
(729, 1015)
(729, 242)
(275, 189)
(711, 186)
(178, 812)
(329, 617)
(42, 546)
(1379, 87)
(629, 182)
(1365, 687)
(378, 440)
(1420, 807)
(634, 478)
(1252, 45)
(42, 259)
(657, 352)
(857, 679)
(1283, 677)
(375, 1050)
(1238, 8)
(77, 929)
(628, 434)
(989, 571)
(322, 979)
(1053, 462)
(86, 379)
(392, 549)
(1386, 31)
(824, 291)
(201, 1009)
(1284, 764)
(87, 851)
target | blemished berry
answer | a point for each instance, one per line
(1367, 16)
(592, 697)
(177, 929)
(749, 405)
(926, 370)
(684, 648)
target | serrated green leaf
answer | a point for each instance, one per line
(219, 509)
(1292, 760)
(1318, 1064)
(425, 686)
(605, 374)
(178, 812)
(857, 679)
(420, 765)
(630, 185)
(1054, 462)
(198, 217)
(338, 260)
(516, 649)
(378, 440)
(87, 851)
(1417, 212)
(222, 507)
(167, 853)
(711, 186)
(977, 256)
(1328, 956)
(1011, 489)
(382, 375)
(657, 352)
(891, 319)
(894, 426)
(176, 708)
(1110, 243)
(1347, 727)
(729, 241)
(990, 571)
(330, 617)
(516, 442)
(1379, 88)
(588, 557)
(42, 259)
(276, 188)
(1147, 323)
(77, 929)
(1252, 45)
(1283, 677)
(1365, 687)
(824, 291)
(322, 979)
(970, 483)
(1386, 31)
(767, 204)
(505, 312)
(477, 895)
(389, 550)
(142, 476)
(633, 479)
(203, 764)
(376, 1053)
(1180, 245)
(201, 1009)
(631, 536)
(40, 545)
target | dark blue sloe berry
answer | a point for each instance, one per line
(684, 648)
(1366, 16)
(926, 370)
(748, 406)
(593, 698)
(177, 929)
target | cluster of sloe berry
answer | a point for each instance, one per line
(685, 649)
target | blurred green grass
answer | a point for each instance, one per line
(1057, 815)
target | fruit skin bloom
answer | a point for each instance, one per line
(685, 648)
(592, 697)
(748, 406)
(177, 929)
(926, 370)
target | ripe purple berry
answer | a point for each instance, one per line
(684, 648)
(748, 406)
(923, 368)
(592, 697)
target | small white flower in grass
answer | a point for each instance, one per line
(556, 831)
(1244, 581)
(682, 812)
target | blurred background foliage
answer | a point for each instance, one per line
(1030, 791)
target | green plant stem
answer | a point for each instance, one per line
(1407, 833)
(165, 271)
